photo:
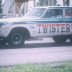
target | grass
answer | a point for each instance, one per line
(40, 67)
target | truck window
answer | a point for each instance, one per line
(57, 13)
(68, 12)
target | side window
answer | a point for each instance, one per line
(57, 13)
(68, 12)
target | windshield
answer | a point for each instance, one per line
(68, 13)
(36, 12)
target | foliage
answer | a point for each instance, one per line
(0, 9)
(41, 67)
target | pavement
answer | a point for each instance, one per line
(35, 55)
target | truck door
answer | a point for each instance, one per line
(52, 21)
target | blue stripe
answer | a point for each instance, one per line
(42, 21)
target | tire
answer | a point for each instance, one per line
(59, 39)
(70, 37)
(2, 42)
(16, 38)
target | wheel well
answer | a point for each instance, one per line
(25, 31)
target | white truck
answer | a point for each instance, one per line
(55, 22)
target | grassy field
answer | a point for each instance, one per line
(39, 67)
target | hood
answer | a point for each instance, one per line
(17, 19)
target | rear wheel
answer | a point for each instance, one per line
(70, 37)
(16, 38)
(59, 39)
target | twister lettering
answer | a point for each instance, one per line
(54, 28)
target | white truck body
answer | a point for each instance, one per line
(43, 22)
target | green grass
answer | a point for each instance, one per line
(40, 67)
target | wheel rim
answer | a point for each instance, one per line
(16, 38)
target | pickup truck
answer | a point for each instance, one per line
(39, 22)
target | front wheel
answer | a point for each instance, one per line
(2, 41)
(16, 38)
